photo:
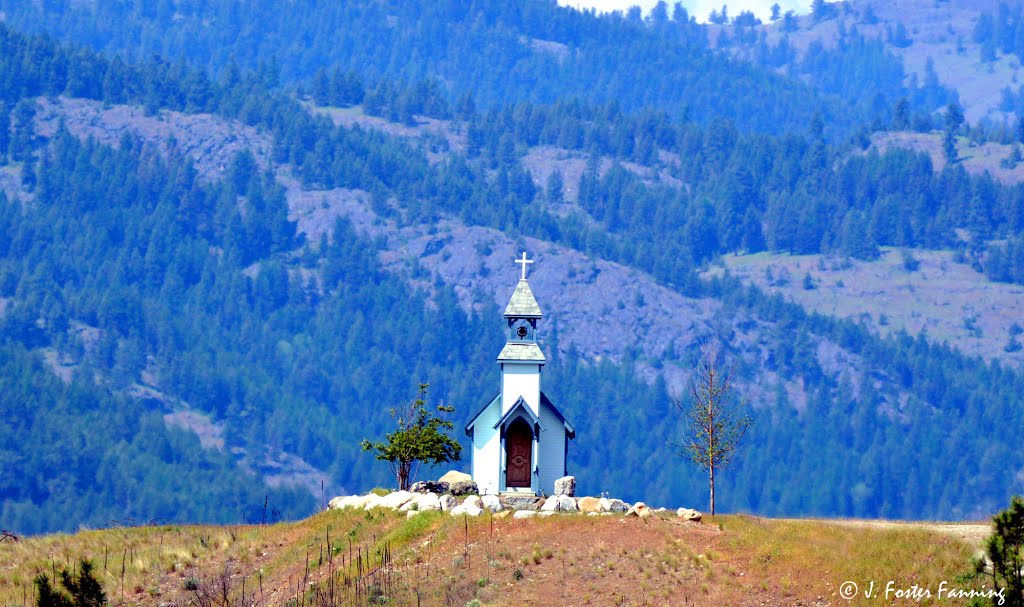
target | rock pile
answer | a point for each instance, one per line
(443, 495)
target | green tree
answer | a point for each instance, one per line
(1003, 562)
(714, 419)
(954, 118)
(422, 436)
(84, 589)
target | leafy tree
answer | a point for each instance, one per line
(715, 421)
(421, 437)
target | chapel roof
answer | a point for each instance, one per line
(545, 402)
(522, 304)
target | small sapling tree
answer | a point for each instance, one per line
(421, 436)
(714, 419)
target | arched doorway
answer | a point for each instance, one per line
(518, 454)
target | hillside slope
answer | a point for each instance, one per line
(435, 559)
(932, 40)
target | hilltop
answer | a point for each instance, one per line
(436, 559)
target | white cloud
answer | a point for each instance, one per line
(698, 8)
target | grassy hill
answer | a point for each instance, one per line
(436, 559)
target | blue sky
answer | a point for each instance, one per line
(698, 8)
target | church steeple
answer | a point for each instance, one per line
(521, 316)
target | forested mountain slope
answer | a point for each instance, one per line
(494, 52)
(218, 242)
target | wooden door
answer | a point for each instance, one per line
(518, 454)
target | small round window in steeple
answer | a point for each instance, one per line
(521, 332)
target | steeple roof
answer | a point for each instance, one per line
(523, 304)
(524, 351)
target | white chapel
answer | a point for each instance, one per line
(520, 439)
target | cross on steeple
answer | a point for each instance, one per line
(524, 261)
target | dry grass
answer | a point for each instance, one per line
(735, 560)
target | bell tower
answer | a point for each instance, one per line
(521, 359)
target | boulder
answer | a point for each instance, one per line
(374, 501)
(590, 504)
(689, 514)
(349, 501)
(615, 505)
(548, 513)
(411, 513)
(465, 508)
(550, 504)
(429, 487)
(491, 502)
(567, 504)
(454, 476)
(523, 502)
(463, 488)
(448, 503)
(566, 486)
(397, 499)
(641, 510)
(428, 501)
(475, 501)
(505, 514)
(524, 513)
